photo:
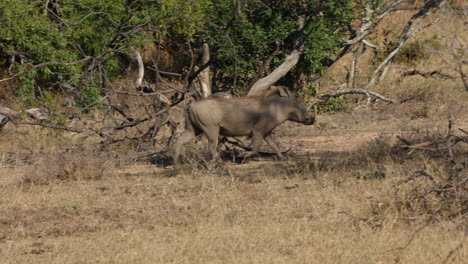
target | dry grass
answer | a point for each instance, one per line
(349, 206)
(215, 219)
(70, 165)
(347, 194)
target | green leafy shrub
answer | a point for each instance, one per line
(413, 53)
(337, 104)
(241, 38)
(88, 96)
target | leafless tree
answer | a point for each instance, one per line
(455, 54)
(414, 25)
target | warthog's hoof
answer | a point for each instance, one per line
(246, 155)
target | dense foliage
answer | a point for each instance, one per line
(241, 35)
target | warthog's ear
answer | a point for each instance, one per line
(283, 91)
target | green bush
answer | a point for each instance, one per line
(337, 104)
(413, 53)
(241, 38)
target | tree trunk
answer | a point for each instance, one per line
(204, 77)
(141, 68)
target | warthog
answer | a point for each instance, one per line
(255, 115)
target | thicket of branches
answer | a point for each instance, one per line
(81, 46)
(78, 49)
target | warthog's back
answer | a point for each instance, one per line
(234, 117)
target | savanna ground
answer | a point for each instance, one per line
(347, 194)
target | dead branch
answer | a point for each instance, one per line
(451, 140)
(119, 109)
(162, 111)
(46, 125)
(147, 89)
(165, 72)
(85, 59)
(141, 68)
(204, 76)
(446, 142)
(324, 97)
(158, 95)
(436, 73)
(354, 66)
(369, 20)
(291, 59)
(449, 193)
(8, 112)
(407, 32)
(264, 68)
(242, 146)
(368, 23)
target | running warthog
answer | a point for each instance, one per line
(255, 116)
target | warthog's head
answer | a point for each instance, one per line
(293, 106)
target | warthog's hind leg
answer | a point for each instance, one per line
(185, 137)
(270, 140)
(212, 134)
(257, 140)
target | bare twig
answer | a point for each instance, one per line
(367, 23)
(453, 251)
(324, 97)
(85, 59)
(46, 125)
(436, 73)
(448, 141)
(242, 146)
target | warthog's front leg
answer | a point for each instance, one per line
(257, 140)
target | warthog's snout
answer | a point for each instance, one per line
(308, 118)
(309, 121)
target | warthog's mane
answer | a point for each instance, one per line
(258, 96)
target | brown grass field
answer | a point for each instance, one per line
(348, 193)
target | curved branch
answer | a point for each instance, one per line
(266, 64)
(291, 59)
(85, 59)
(325, 97)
